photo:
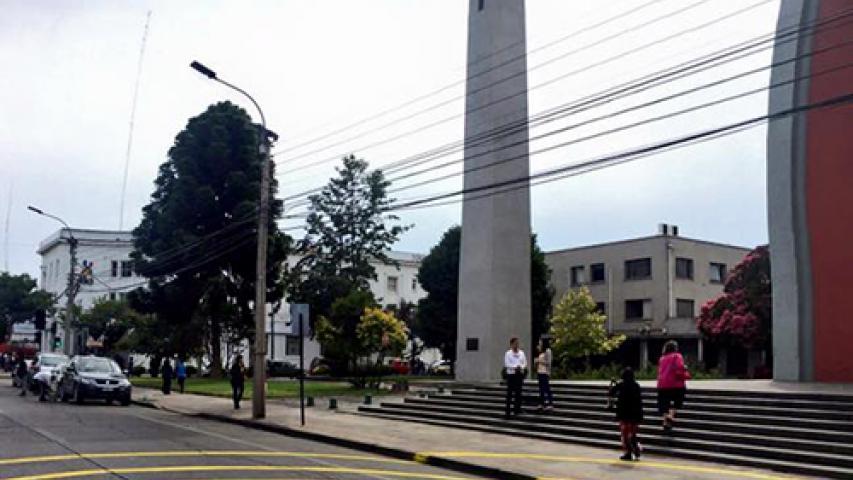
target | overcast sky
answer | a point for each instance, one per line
(315, 66)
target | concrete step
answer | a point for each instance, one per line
(702, 453)
(685, 430)
(705, 396)
(827, 421)
(691, 403)
(841, 399)
(714, 422)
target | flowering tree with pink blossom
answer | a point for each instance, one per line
(741, 315)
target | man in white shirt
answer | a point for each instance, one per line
(515, 364)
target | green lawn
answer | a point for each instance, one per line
(275, 389)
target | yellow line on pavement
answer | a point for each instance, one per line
(196, 453)
(655, 465)
(234, 468)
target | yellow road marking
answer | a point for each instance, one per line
(607, 461)
(234, 468)
(196, 453)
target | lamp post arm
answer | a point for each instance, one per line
(261, 112)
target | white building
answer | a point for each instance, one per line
(107, 252)
(392, 286)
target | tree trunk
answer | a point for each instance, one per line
(215, 349)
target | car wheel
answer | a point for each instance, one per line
(125, 401)
(78, 397)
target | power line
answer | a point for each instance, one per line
(828, 103)
(627, 89)
(527, 90)
(468, 77)
(620, 128)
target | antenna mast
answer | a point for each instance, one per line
(132, 117)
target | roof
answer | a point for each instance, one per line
(86, 237)
(650, 237)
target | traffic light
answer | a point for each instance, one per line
(40, 320)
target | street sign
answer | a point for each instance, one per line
(299, 319)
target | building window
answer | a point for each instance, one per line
(291, 345)
(638, 309)
(638, 269)
(126, 268)
(481, 4)
(414, 285)
(684, 268)
(596, 273)
(114, 268)
(576, 276)
(718, 272)
(601, 307)
(684, 308)
(112, 295)
(392, 284)
(122, 296)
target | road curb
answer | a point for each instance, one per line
(393, 452)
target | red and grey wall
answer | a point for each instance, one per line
(810, 194)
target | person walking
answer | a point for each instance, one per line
(672, 383)
(543, 374)
(629, 413)
(167, 373)
(238, 374)
(181, 373)
(21, 374)
(515, 365)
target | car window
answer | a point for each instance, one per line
(50, 361)
(97, 365)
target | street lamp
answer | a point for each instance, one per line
(258, 363)
(71, 292)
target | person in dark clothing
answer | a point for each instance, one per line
(238, 373)
(21, 373)
(167, 376)
(629, 412)
(515, 367)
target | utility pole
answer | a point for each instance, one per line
(72, 294)
(71, 290)
(260, 346)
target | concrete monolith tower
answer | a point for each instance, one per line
(494, 270)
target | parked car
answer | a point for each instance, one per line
(45, 371)
(441, 367)
(400, 366)
(88, 377)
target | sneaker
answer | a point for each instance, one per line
(637, 450)
(626, 457)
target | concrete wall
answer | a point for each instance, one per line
(494, 273)
(810, 201)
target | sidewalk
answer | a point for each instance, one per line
(488, 455)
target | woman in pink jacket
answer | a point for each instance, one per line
(672, 375)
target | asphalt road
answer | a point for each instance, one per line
(57, 440)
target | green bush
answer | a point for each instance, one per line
(138, 371)
(192, 371)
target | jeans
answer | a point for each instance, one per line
(237, 393)
(514, 382)
(545, 395)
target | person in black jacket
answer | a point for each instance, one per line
(168, 373)
(238, 373)
(629, 412)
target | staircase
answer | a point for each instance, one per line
(801, 433)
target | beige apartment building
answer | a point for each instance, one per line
(650, 288)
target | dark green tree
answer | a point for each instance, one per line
(347, 228)
(437, 313)
(110, 321)
(200, 228)
(19, 300)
